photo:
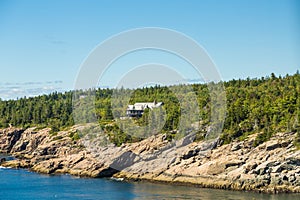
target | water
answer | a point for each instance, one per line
(22, 185)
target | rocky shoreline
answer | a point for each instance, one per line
(271, 167)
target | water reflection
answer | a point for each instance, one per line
(25, 185)
(159, 191)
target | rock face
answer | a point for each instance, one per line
(10, 139)
(273, 166)
(41, 152)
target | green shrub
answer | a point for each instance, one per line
(262, 137)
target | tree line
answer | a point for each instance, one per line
(265, 105)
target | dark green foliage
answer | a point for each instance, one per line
(52, 110)
(58, 137)
(75, 136)
(262, 137)
(297, 141)
(266, 105)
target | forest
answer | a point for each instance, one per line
(263, 105)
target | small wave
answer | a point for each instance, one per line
(117, 179)
(1, 167)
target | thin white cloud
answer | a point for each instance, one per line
(28, 89)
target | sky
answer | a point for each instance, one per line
(44, 43)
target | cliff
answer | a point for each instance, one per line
(273, 166)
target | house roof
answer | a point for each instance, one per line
(144, 105)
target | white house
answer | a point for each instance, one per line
(137, 109)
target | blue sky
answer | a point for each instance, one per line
(43, 43)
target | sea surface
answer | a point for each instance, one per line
(23, 184)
